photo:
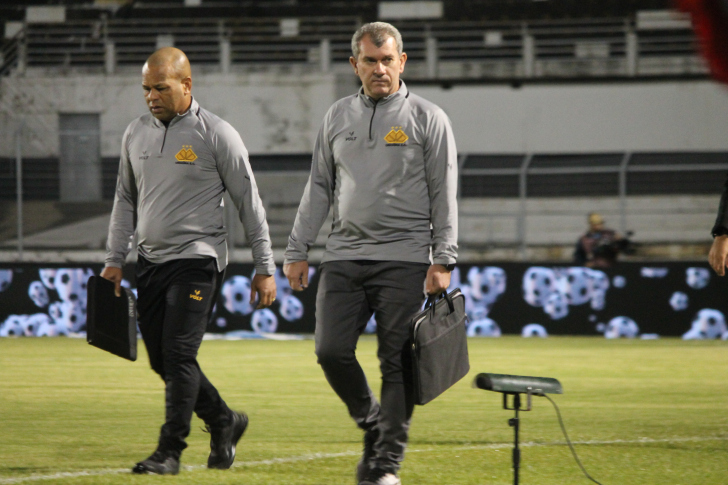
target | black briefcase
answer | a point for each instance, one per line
(439, 345)
(111, 320)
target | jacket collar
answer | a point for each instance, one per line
(192, 112)
(401, 93)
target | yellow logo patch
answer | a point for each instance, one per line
(186, 155)
(396, 136)
(196, 296)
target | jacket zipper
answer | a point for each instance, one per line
(372, 118)
(164, 139)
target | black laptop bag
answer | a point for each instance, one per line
(439, 345)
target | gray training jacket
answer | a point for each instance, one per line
(389, 168)
(170, 186)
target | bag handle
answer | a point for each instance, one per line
(433, 299)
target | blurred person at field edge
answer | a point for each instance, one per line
(599, 247)
(710, 21)
(385, 159)
(718, 255)
(176, 164)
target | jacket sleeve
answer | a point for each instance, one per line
(237, 176)
(316, 201)
(721, 220)
(123, 215)
(441, 170)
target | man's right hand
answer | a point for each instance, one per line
(297, 274)
(114, 275)
(718, 254)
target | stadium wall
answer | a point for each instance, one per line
(574, 118)
(281, 113)
(274, 114)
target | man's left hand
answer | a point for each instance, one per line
(264, 286)
(438, 279)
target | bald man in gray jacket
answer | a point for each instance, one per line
(385, 159)
(176, 164)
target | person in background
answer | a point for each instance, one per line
(599, 247)
(710, 22)
(718, 255)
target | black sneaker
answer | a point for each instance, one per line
(223, 440)
(160, 463)
(363, 467)
(378, 476)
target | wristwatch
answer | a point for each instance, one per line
(451, 267)
(719, 231)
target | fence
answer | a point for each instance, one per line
(506, 201)
(589, 176)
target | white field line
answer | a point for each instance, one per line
(324, 456)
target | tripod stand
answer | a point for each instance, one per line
(514, 386)
(514, 422)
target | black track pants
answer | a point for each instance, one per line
(348, 293)
(174, 304)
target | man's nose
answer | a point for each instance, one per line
(152, 94)
(379, 68)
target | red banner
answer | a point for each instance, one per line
(710, 21)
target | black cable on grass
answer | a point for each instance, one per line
(568, 441)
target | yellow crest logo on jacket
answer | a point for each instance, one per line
(186, 155)
(396, 136)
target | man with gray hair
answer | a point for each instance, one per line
(386, 160)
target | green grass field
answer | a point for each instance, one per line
(640, 412)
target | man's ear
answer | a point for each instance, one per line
(352, 61)
(187, 83)
(402, 60)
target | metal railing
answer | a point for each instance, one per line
(538, 194)
(616, 176)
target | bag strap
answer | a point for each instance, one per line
(433, 299)
(430, 300)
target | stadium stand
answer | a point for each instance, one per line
(454, 10)
(477, 41)
(565, 38)
(507, 10)
(565, 48)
